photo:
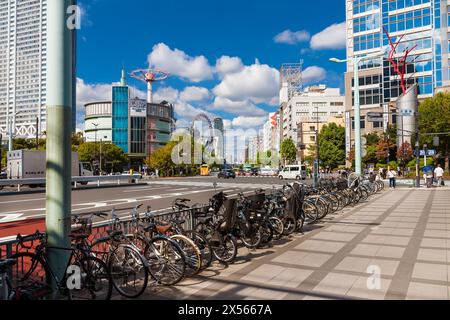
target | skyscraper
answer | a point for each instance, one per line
(23, 66)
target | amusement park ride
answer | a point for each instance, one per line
(149, 76)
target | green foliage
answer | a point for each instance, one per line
(289, 150)
(90, 152)
(332, 145)
(372, 139)
(434, 117)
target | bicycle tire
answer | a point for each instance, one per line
(191, 252)
(205, 248)
(164, 255)
(128, 267)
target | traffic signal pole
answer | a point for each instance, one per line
(59, 125)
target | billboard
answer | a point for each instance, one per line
(138, 108)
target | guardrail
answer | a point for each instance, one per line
(75, 180)
(8, 246)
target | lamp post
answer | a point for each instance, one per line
(358, 147)
(95, 140)
(11, 120)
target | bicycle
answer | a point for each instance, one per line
(93, 281)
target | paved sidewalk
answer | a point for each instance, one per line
(403, 236)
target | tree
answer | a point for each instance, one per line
(405, 155)
(288, 151)
(89, 152)
(434, 117)
(332, 146)
(372, 139)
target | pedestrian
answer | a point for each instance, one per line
(430, 178)
(157, 173)
(392, 174)
(439, 173)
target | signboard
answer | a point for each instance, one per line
(428, 153)
(348, 132)
(138, 108)
(375, 117)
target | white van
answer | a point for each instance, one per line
(293, 172)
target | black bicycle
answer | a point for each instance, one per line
(84, 278)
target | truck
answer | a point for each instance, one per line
(30, 164)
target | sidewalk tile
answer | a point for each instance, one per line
(321, 246)
(427, 271)
(422, 291)
(364, 289)
(336, 284)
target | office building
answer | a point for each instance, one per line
(23, 66)
(139, 128)
(424, 27)
(309, 110)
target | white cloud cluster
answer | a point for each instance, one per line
(195, 94)
(292, 37)
(332, 38)
(227, 65)
(314, 74)
(258, 83)
(240, 108)
(178, 63)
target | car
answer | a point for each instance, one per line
(293, 172)
(255, 172)
(269, 172)
(227, 174)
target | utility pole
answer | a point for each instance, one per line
(37, 133)
(317, 165)
(417, 151)
(59, 126)
(101, 143)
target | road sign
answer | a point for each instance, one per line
(375, 117)
(428, 153)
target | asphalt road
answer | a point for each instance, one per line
(18, 210)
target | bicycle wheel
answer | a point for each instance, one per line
(191, 253)
(166, 261)
(129, 271)
(205, 248)
(290, 224)
(277, 227)
(310, 212)
(95, 281)
(252, 237)
(30, 277)
(225, 249)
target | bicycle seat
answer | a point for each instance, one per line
(6, 264)
(163, 229)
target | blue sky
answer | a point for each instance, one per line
(189, 37)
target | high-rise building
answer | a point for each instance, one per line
(419, 24)
(23, 66)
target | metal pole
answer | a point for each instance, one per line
(317, 166)
(37, 133)
(59, 126)
(101, 172)
(10, 134)
(358, 147)
(417, 152)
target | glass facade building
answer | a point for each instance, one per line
(120, 116)
(423, 24)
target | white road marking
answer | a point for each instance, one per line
(22, 201)
(12, 217)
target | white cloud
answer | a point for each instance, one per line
(314, 74)
(178, 63)
(240, 108)
(168, 94)
(292, 37)
(226, 65)
(258, 83)
(249, 122)
(333, 37)
(195, 94)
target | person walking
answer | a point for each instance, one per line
(392, 174)
(439, 174)
(430, 178)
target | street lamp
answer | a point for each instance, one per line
(11, 119)
(358, 146)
